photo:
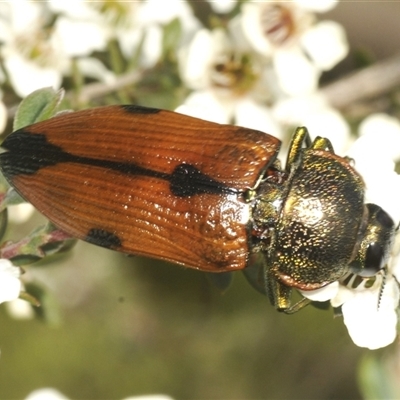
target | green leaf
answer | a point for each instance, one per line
(25, 259)
(38, 106)
(44, 241)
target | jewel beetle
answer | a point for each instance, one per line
(207, 196)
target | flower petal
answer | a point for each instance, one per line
(195, 60)
(203, 104)
(80, 38)
(323, 294)
(3, 116)
(26, 77)
(20, 213)
(46, 394)
(382, 182)
(222, 6)
(296, 75)
(326, 44)
(370, 325)
(384, 131)
(20, 309)
(10, 285)
(252, 28)
(253, 115)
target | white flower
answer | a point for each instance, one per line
(325, 44)
(10, 284)
(54, 394)
(129, 22)
(318, 116)
(300, 48)
(323, 294)
(79, 38)
(30, 56)
(20, 309)
(222, 6)
(36, 56)
(370, 313)
(3, 116)
(229, 86)
(46, 394)
(375, 154)
(20, 213)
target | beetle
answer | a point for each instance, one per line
(207, 196)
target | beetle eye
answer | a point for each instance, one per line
(374, 260)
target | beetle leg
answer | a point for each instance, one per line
(298, 306)
(321, 143)
(300, 138)
(280, 295)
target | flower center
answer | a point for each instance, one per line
(36, 46)
(278, 23)
(233, 72)
(116, 12)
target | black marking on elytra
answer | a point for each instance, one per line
(103, 238)
(187, 180)
(134, 109)
(27, 153)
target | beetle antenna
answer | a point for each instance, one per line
(382, 288)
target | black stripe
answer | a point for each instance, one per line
(131, 108)
(27, 153)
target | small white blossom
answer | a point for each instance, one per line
(323, 294)
(375, 154)
(31, 57)
(326, 44)
(20, 309)
(229, 86)
(54, 394)
(318, 116)
(20, 213)
(129, 22)
(10, 284)
(222, 6)
(46, 394)
(3, 116)
(370, 313)
(300, 47)
(36, 56)
(79, 38)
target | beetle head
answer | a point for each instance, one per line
(375, 242)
